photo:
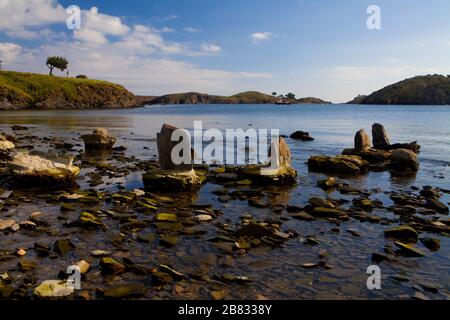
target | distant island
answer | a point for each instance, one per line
(420, 90)
(249, 97)
(20, 91)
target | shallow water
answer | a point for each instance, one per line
(275, 272)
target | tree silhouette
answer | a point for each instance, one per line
(58, 63)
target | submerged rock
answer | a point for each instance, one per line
(41, 168)
(437, 205)
(345, 165)
(111, 267)
(126, 291)
(99, 139)
(409, 250)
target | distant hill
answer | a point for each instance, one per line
(249, 97)
(420, 90)
(37, 91)
(358, 99)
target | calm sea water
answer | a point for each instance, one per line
(333, 126)
(276, 273)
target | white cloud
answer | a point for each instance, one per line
(354, 73)
(210, 48)
(167, 30)
(136, 56)
(23, 14)
(192, 30)
(9, 51)
(261, 36)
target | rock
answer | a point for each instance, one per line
(217, 295)
(413, 146)
(172, 181)
(327, 212)
(437, 205)
(362, 141)
(161, 278)
(27, 265)
(303, 216)
(126, 291)
(280, 171)
(100, 139)
(165, 147)
(253, 230)
(166, 217)
(402, 233)
(110, 266)
(100, 253)
(42, 250)
(431, 244)
(53, 289)
(204, 218)
(6, 146)
(168, 241)
(409, 250)
(319, 202)
(327, 184)
(301, 135)
(89, 220)
(380, 137)
(41, 168)
(8, 225)
(344, 165)
(372, 156)
(83, 266)
(63, 247)
(404, 161)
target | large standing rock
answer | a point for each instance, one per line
(43, 168)
(100, 139)
(362, 141)
(380, 137)
(404, 161)
(281, 170)
(173, 177)
(165, 147)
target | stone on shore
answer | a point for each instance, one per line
(380, 137)
(402, 233)
(166, 146)
(100, 139)
(6, 146)
(362, 141)
(344, 165)
(53, 289)
(42, 168)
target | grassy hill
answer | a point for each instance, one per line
(421, 90)
(36, 91)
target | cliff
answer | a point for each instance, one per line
(36, 91)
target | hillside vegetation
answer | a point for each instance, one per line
(36, 91)
(421, 90)
(249, 97)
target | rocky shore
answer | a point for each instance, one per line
(234, 235)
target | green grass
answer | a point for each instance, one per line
(36, 87)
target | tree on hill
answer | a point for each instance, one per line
(274, 94)
(290, 96)
(58, 63)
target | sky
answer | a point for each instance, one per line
(320, 48)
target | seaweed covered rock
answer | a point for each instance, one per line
(100, 139)
(344, 165)
(42, 168)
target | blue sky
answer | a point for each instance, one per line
(317, 48)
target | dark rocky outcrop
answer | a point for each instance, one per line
(420, 90)
(301, 135)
